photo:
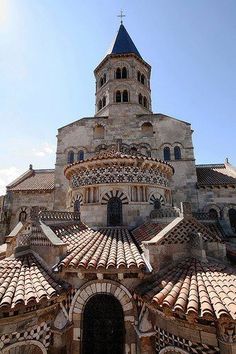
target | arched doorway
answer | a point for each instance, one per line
(114, 212)
(103, 326)
(232, 219)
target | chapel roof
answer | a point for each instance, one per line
(194, 288)
(34, 180)
(26, 281)
(215, 175)
(105, 248)
(123, 43)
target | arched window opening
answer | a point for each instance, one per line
(177, 153)
(118, 73)
(114, 212)
(100, 105)
(77, 206)
(147, 129)
(140, 99)
(125, 96)
(118, 96)
(101, 81)
(142, 79)
(166, 153)
(70, 157)
(103, 325)
(139, 76)
(124, 73)
(157, 204)
(99, 132)
(133, 150)
(213, 215)
(23, 216)
(232, 218)
(104, 78)
(80, 156)
(145, 101)
(104, 101)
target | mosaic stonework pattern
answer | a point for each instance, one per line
(165, 339)
(117, 194)
(118, 174)
(40, 333)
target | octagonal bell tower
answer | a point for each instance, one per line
(123, 80)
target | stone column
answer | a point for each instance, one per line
(227, 348)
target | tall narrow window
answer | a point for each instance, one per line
(104, 101)
(140, 99)
(100, 104)
(101, 82)
(125, 96)
(80, 155)
(124, 73)
(145, 101)
(139, 76)
(22, 216)
(70, 157)
(177, 153)
(114, 212)
(118, 96)
(142, 79)
(166, 153)
(77, 206)
(104, 78)
(213, 214)
(118, 73)
(232, 219)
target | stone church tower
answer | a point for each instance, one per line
(124, 117)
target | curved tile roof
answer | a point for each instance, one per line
(34, 180)
(108, 248)
(194, 288)
(25, 281)
(215, 175)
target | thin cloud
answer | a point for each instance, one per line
(7, 175)
(44, 150)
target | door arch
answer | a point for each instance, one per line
(103, 326)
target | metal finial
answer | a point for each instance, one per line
(121, 16)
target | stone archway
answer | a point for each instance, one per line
(91, 289)
(25, 347)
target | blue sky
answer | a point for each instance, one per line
(49, 49)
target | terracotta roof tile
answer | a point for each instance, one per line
(210, 175)
(37, 180)
(105, 248)
(194, 288)
(25, 281)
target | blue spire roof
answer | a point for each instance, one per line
(123, 44)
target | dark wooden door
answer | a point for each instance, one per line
(103, 326)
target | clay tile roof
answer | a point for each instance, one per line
(147, 231)
(195, 289)
(25, 281)
(34, 180)
(106, 248)
(215, 175)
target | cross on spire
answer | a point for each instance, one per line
(121, 16)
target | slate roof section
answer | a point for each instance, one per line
(123, 43)
(34, 180)
(195, 289)
(216, 175)
(107, 248)
(24, 281)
